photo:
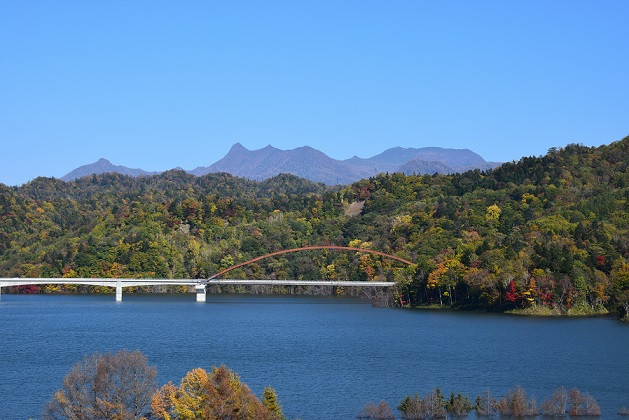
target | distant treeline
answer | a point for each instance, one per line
(547, 235)
(515, 403)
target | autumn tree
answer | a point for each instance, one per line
(105, 386)
(557, 404)
(583, 404)
(512, 294)
(516, 404)
(380, 411)
(216, 395)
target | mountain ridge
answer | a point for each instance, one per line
(314, 165)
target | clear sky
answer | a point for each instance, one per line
(157, 85)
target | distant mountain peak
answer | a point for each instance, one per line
(307, 149)
(102, 166)
(237, 146)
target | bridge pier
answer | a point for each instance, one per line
(200, 289)
(118, 292)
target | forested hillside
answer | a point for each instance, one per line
(545, 232)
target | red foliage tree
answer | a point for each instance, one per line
(512, 292)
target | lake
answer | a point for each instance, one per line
(325, 356)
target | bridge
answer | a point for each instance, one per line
(201, 284)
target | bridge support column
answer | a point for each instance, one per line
(118, 292)
(200, 289)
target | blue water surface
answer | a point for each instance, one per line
(325, 356)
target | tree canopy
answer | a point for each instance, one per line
(105, 386)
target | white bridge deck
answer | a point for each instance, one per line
(199, 284)
(301, 283)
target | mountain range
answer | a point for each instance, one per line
(315, 165)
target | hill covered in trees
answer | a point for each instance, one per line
(547, 232)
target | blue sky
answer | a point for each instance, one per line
(158, 85)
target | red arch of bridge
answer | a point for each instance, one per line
(310, 248)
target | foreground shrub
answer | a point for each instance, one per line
(411, 407)
(515, 404)
(486, 405)
(557, 404)
(583, 404)
(431, 406)
(371, 411)
(459, 405)
(105, 386)
(217, 395)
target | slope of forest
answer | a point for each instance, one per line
(547, 232)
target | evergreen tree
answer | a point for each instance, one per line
(270, 401)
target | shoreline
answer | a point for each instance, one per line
(539, 312)
(580, 311)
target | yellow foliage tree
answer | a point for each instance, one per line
(209, 396)
(493, 213)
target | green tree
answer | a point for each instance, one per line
(270, 401)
